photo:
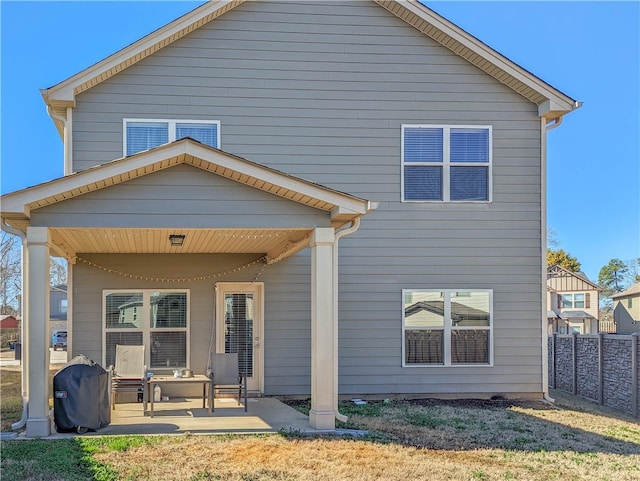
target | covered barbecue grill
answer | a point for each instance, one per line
(81, 396)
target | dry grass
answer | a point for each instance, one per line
(426, 440)
(430, 440)
(11, 395)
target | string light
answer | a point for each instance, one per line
(262, 260)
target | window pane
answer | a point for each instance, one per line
(469, 347)
(238, 329)
(578, 300)
(470, 309)
(469, 145)
(424, 347)
(168, 350)
(168, 309)
(422, 144)
(469, 183)
(424, 309)
(123, 310)
(122, 338)
(567, 300)
(422, 183)
(146, 135)
(204, 133)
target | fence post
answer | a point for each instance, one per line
(601, 367)
(553, 359)
(574, 348)
(634, 373)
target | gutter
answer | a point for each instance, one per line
(23, 303)
(355, 225)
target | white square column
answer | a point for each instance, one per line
(37, 327)
(323, 328)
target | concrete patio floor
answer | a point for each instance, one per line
(181, 416)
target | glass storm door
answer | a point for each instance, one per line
(239, 327)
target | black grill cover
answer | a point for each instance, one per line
(81, 396)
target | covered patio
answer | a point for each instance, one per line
(220, 205)
(186, 415)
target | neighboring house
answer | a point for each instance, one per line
(626, 310)
(57, 308)
(9, 322)
(212, 167)
(572, 302)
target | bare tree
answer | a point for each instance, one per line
(552, 238)
(10, 273)
(58, 271)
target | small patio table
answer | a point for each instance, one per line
(159, 380)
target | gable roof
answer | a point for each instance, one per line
(632, 290)
(17, 206)
(557, 270)
(552, 104)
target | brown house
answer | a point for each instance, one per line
(572, 302)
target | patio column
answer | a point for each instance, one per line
(37, 327)
(323, 362)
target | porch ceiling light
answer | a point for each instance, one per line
(176, 240)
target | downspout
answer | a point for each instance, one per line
(543, 226)
(355, 225)
(66, 140)
(23, 303)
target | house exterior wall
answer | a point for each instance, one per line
(320, 92)
(58, 311)
(627, 318)
(286, 329)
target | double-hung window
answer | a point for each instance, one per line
(446, 163)
(447, 327)
(574, 301)
(157, 319)
(145, 134)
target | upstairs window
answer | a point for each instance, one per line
(143, 134)
(575, 301)
(446, 163)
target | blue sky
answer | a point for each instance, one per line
(588, 50)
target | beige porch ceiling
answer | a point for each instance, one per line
(274, 243)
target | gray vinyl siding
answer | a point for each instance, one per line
(320, 92)
(181, 196)
(289, 333)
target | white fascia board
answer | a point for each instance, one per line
(344, 201)
(64, 91)
(457, 34)
(18, 202)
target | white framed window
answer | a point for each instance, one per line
(447, 327)
(573, 301)
(145, 134)
(155, 318)
(446, 163)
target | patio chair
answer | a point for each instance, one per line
(129, 373)
(226, 377)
